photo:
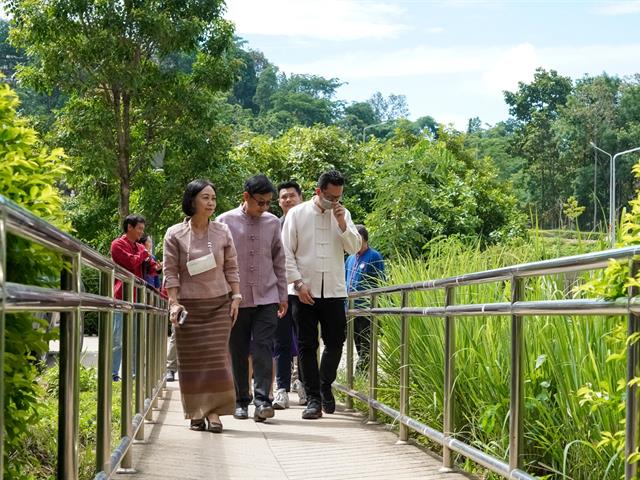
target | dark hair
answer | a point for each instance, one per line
(190, 193)
(363, 232)
(132, 220)
(259, 184)
(290, 184)
(332, 177)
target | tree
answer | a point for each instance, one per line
(302, 154)
(435, 188)
(535, 107)
(391, 108)
(253, 64)
(357, 116)
(114, 58)
(591, 114)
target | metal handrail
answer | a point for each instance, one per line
(517, 309)
(142, 308)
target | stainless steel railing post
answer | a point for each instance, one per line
(141, 343)
(127, 379)
(516, 399)
(164, 322)
(350, 335)
(69, 386)
(449, 376)
(403, 433)
(632, 405)
(105, 391)
(149, 381)
(157, 341)
(373, 361)
(3, 301)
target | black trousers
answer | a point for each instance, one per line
(362, 339)
(282, 349)
(330, 314)
(258, 323)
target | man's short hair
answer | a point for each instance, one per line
(191, 192)
(362, 230)
(132, 220)
(332, 177)
(290, 184)
(259, 184)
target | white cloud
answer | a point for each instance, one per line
(620, 8)
(484, 70)
(514, 65)
(321, 19)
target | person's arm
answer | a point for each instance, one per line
(351, 240)
(171, 275)
(126, 259)
(279, 268)
(290, 246)
(232, 274)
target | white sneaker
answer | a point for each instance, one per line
(281, 399)
(302, 395)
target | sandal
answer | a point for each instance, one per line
(214, 427)
(198, 425)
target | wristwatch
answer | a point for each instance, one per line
(237, 295)
(297, 285)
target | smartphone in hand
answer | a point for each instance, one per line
(182, 317)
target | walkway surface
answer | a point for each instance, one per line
(338, 446)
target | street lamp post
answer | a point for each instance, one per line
(612, 188)
(611, 194)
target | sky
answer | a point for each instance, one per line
(452, 59)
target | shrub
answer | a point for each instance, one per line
(28, 175)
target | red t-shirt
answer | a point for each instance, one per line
(130, 255)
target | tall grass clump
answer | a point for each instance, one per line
(564, 354)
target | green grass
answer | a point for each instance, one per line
(38, 453)
(563, 354)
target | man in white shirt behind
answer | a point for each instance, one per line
(315, 236)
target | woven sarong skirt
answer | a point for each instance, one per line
(204, 366)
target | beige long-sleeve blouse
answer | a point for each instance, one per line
(210, 284)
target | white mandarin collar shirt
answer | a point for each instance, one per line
(314, 248)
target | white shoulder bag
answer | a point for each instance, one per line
(202, 264)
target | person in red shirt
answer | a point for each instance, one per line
(131, 255)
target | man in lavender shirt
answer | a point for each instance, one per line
(263, 285)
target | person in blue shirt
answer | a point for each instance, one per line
(363, 270)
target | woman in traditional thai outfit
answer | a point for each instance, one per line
(203, 284)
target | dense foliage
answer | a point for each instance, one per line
(568, 366)
(146, 96)
(29, 173)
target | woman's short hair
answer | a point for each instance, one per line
(193, 189)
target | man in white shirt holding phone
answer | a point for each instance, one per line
(315, 235)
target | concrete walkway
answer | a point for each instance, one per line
(337, 446)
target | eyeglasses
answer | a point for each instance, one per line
(261, 203)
